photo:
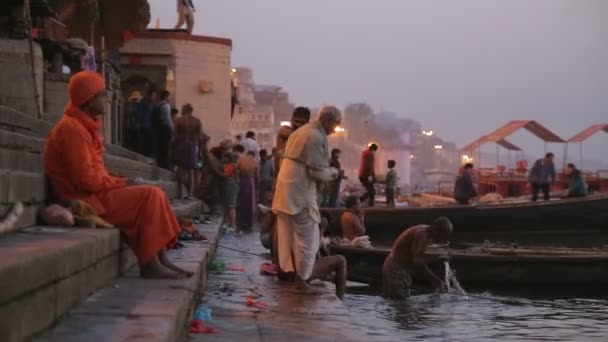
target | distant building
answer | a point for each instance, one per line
(275, 97)
(195, 69)
(243, 79)
(250, 115)
(432, 156)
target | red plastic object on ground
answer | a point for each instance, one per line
(269, 269)
(256, 304)
(199, 327)
(235, 268)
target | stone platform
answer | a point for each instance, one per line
(47, 270)
(288, 316)
(136, 309)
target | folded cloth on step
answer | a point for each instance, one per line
(82, 210)
(360, 241)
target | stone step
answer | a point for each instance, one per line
(13, 120)
(27, 219)
(19, 186)
(21, 141)
(53, 269)
(170, 188)
(18, 160)
(141, 309)
(30, 189)
(27, 156)
(133, 168)
(124, 162)
(186, 208)
(31, 132)
(120, 151)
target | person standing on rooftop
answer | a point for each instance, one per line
(185, 12)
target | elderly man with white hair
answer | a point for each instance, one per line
(305, 167)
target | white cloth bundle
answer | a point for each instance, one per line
(361, 242)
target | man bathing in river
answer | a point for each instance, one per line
(408, 255)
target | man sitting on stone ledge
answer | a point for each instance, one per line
(73, 162)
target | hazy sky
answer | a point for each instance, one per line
(461, 67)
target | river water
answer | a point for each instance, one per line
(479, 317)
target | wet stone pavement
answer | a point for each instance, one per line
(281, 315)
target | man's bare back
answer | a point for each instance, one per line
(410, 246)
(352, 227)
(408, 255)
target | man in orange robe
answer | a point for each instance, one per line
(73, 161)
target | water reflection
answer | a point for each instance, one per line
(446, 317)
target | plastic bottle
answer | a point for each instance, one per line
(203, 313)
(217, 266)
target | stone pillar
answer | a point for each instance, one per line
(17, 86)
(58, 63)
(55, 96)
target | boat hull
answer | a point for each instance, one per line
(570, 222)
(492, 272)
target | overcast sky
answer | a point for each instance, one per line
(461, 67)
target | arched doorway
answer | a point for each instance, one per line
(133, 90)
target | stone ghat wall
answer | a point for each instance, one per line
(48, 270)
(16, 88)
(22, 134)
(55, 96)
(21, 167)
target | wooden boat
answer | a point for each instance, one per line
(574, 222)
(494, 267)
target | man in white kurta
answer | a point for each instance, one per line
(304, 168)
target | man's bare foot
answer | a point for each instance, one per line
(155, 270)
(178, 269)
(164, 261)
(300, 287)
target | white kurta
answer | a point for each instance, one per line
(253, 146)
(305, 164)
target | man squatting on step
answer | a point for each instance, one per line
(304, 168)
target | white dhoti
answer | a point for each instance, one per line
(298, 240)
(305, 164)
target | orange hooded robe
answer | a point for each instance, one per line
(73, 161)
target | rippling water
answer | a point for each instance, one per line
(480, 317)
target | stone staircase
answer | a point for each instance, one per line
(46, 271)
